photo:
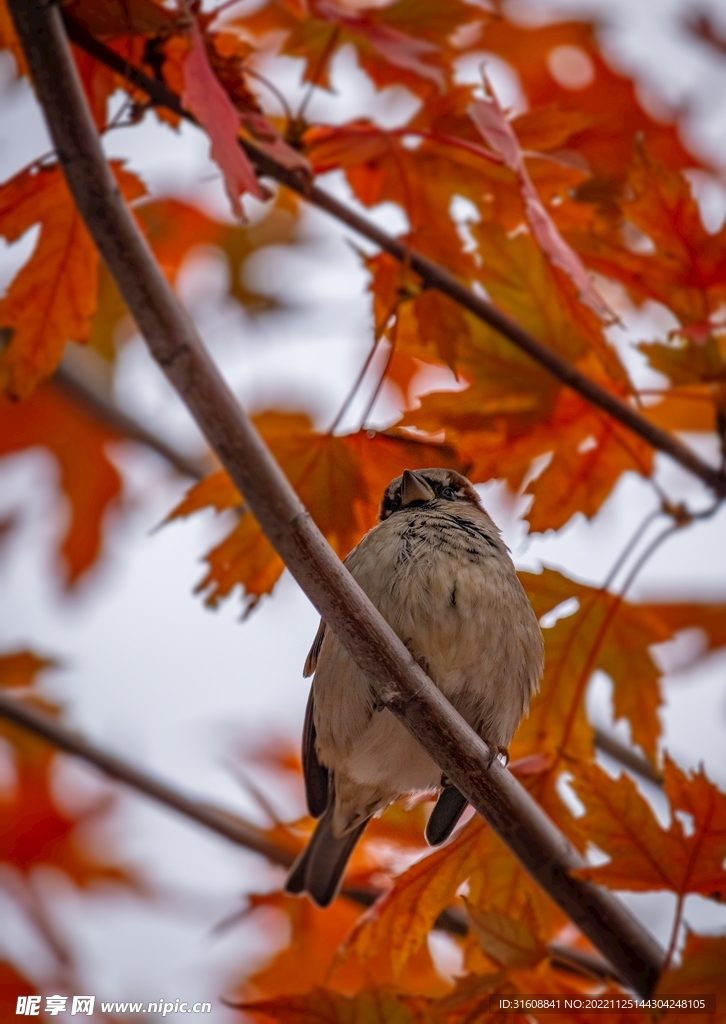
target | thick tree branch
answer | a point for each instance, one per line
(231, 826)
(399, 681)
(432, 274)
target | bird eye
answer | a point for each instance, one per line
(449, 493)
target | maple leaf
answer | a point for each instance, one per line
(509, 942)
(697, 370)
(393, 45)
(395, 928)
(590, 454)
(205, 97)
(644, 856)
(13, 984)
(400, 920)
(687, 362)
(52, 298)
(681, 265)
(19, 669)
(372, 1006)
(489, 119)
(406, 42)
(87, 478)
(606, 633)
(34, 830)
(607, 97)
(701, 971)
(114, 18)
(339, 479)
(310, 958)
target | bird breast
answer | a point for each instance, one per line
(444, 581)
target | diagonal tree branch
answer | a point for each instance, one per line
(231, 826)
(432, 274)
(399, 681)
(88, 389)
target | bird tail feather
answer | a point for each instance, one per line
(319, 869)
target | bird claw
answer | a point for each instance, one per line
(496, 751)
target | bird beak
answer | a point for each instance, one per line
(414, 488)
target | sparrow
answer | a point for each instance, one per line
(438, 571)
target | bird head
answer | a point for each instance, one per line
(418, 488)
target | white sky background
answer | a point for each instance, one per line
(150, 673)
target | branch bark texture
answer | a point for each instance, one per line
(400, 682)
(432, 274)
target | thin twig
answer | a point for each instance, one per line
(88, 389)
(432, 274)
(646, 556)
(353, 391)
(677, 918)
(396, 677)
(628, 757)
(627, 550)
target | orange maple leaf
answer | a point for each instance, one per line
(340, 480)
(34, 830)
(371, 1006)
(52, 298)
(205, 97)
(608, 633)
(87, 478)
(701, 972)
(19, 669)
(688, 857)
(681, 264)
(406, 42)
(547, 56)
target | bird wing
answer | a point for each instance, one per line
(311, 662)
(315, 774)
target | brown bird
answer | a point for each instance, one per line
(438, 571)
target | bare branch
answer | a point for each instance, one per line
(432, 274)
(76, 379)
(400, 683)
(222, 822)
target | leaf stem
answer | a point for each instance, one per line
(677, 918)
(631, 544)
(355, 388)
